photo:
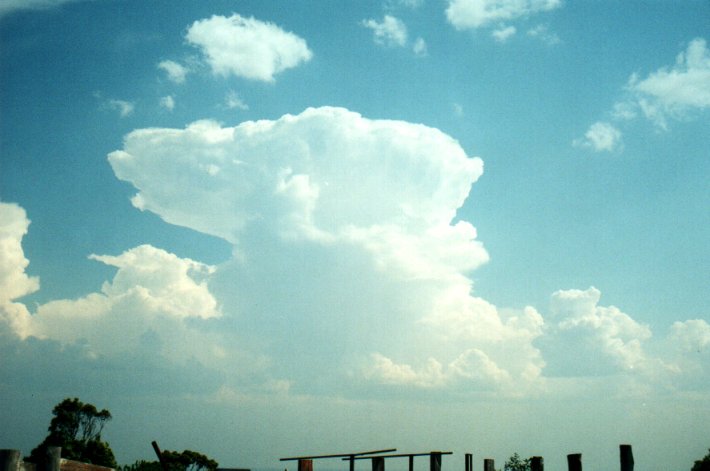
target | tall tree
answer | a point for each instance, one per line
(77, 427)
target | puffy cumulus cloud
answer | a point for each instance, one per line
(689, 345)
(677, 90)
(390, 31)
(691, 336)
(247, 47)
(600, 137)
(175, 72)
(14, 282)
(152, 291)
(466, 14)
(139, 335)
(588, 339)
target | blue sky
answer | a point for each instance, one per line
(259, 229)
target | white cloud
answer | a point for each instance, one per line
(593, 339)
(601, 137)
(668, 93)
(291, 171)
(465, 14)
(168, 102)
(124, 108)
(372, 250)
(10, 6)
(152, 291)
(420, 47)
(691, 336)
(14, 282)
(543, 33)
(175, 72)
(234, 101)
(405, 3)
(504, 33)
(247, 47)
(673, 92)
(390, 31)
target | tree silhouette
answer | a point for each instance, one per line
(702, 465)
(186, 460)
(515, 463)
(77, 427)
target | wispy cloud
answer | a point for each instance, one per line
(11, 6)
(543, 33)
(675, 91)
(234, 101)
(504, 33)
(465, 14)
(167, 102)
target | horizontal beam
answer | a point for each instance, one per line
(402, 455)
(347, 456)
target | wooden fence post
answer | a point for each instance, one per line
(469, 462)
(305, 465)
(489, 465)
(626, 456)
(574, 462)
(378, 464)
(435, 461)
(537, 464)
(10, 460)
(53, 458)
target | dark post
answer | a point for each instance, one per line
(627, 458)
(435, 461)
(305, 465)
(469, 462)
(537, 464)
(574, 462)
(489, 465)
(53, 458)
(411, 463)
(378, 464)
(9, 460)
(352, 462)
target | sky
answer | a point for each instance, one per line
(264, 229)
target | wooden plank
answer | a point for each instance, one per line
(403, 455)
(338, 455)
